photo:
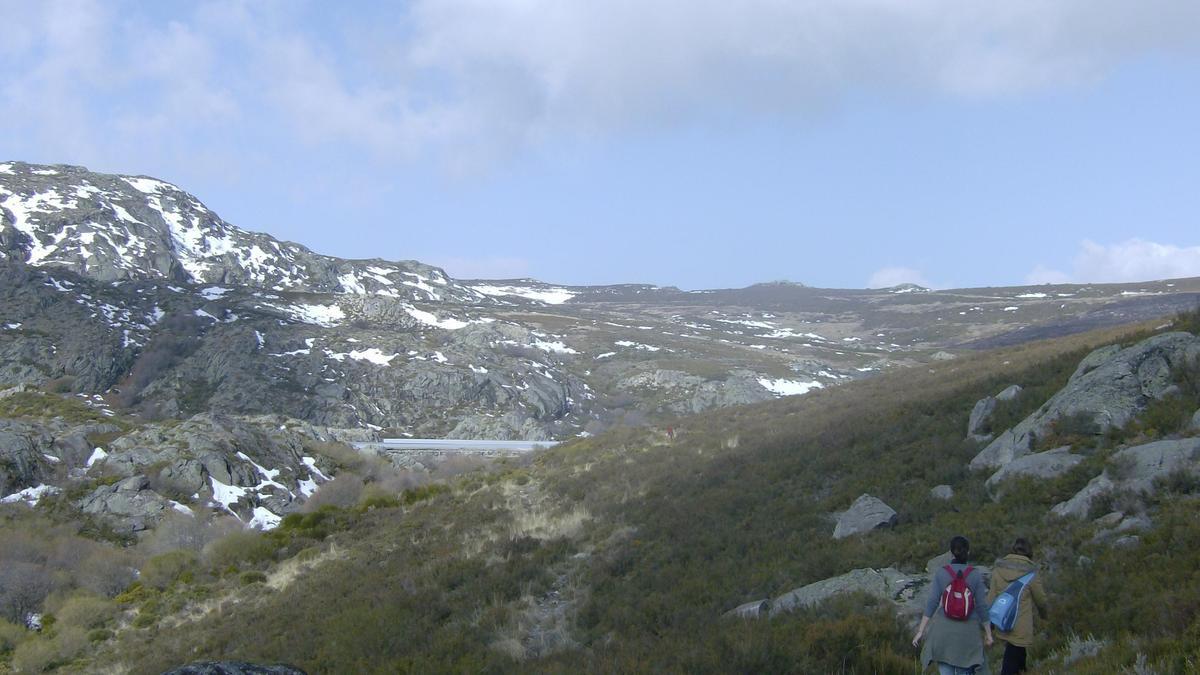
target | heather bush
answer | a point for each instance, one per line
(236, 549)
(167, 568)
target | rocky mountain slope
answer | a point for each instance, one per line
(127, 296)
(132, 289)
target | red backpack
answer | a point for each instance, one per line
(957, 600)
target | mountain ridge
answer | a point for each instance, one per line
(130, 288)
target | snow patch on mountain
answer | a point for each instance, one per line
(431, 319)
(556, 346)
(785, 387)
(548, 295)
(318, 315)
(372, 355)
(30, 495)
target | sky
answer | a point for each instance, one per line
(693, 143)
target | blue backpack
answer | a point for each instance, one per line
(1003, 613)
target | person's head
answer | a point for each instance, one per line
(1022, 547)
(960, 548)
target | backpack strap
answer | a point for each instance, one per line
(963, 573)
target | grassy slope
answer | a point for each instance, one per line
(649, 541)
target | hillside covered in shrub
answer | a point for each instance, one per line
(622, 552)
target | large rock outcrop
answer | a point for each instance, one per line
(129, 505)
(867, 513)
(1045, 465)
(983, 410)
(755, 609)
(885, 584)
(24, 456)
(1108, 389)
(1135, 470)
(240, 464)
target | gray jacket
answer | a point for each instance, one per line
(957, 643)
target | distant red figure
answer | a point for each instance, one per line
(671, 433)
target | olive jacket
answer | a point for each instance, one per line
(1007, 570)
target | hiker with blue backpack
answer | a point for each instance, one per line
(955, 613)
(1016, 591)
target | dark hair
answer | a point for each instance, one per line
(1022, 547)
(960, 548)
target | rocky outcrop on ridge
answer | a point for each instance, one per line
(129, 505)
(242, 466)
(112, 228)
(866, 514)
(1109, 388)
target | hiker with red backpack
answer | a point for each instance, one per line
(954, 614)
(1016, 575)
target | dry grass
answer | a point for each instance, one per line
(290, 570)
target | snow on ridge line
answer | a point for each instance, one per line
(550, 296)
(150, 186)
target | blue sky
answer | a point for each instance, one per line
(691, 143)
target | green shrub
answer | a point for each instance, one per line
(252, 577)
(163, 570)
(379, 501)
(11, 635)
(136, 593)
(317, 524)
(1073, 430)
(85, 610)
(99, 635)
(1188, 321)
(40, 654)
(34, 655)
(246, 547)
(424, 492)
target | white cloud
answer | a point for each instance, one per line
(894, 276)
(1130, 260)
(1046, 275)
(1136, 260)
(472, 80)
